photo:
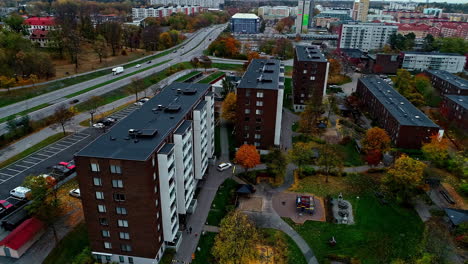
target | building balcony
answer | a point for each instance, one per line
(175, 244)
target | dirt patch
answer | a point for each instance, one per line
(285, 205)
(254, 204)
(459, 201)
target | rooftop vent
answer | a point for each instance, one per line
(190, 90)
(402, 103)
(417, 116)
(179, 91)
(270, 63)
(460, 100)
(148, 133)
(112, 138)
(173, 108)
(132, 131)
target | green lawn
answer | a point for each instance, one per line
(381, 233)
(294, 254)
(288, 70)
(287, 99)
(227, 66)
(33, 149)
(25, 112)
(212, 77)
(70, 246)
(350, 154)
(205, 244)
(168, 256)
(223, 202)
(187, 76)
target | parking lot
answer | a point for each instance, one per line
(40, 156)
(124, 112)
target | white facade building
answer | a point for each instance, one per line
(276, 12)
(202, 3)
(142, 13)
(421, 61)
(365, 36)
(402, 6)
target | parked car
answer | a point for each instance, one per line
(75, 193)
(138, 66)
(108, 121)
(13, 220)
(138, 103)
(224, 166)
(149, 62)
(20, 192)
(144, 99)
(69, 164)
(99, 125)
(74, 101)
(175, 51)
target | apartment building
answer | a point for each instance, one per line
(138, 180)
(144, 12)
(245, 23)
(276, 12)
(406, 125)
(310, 75)
(305, 12)
(421, 61)
(360, 10)
(447, 83)
(365, 36)
(260, 104)
(202, 3)
(43, 23)
(455, 109)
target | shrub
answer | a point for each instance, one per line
(464, 188)
(307, 171)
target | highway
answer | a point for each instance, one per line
(193, 47)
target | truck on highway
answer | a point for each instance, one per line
(117, 70)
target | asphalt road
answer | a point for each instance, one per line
(193, 47)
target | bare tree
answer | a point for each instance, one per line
(93, 105)
(137, 85)
(62, 116)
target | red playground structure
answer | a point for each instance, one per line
(305, 204)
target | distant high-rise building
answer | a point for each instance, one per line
(305, 11)
(360, 10)
(365, 36)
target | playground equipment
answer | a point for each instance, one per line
(305, 204)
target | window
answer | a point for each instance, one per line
(247, 102)
(107, 245)
(101, 208)
(94, 167)
(302, 95)
(259, 103)
(121, 259)
(105, 233)
(247, 111)
(258, 112)
(97, 181)
(124, 235)
(305, 71)
(258, 128)
(121, 210)
(247, 92)
(118, 197)
(258, 120)
(259, 94)
(122, 223)
(126, 248)
(246, 135)
(159, 238)
(157, 202)
(312, 78)
(99, 195)
(257, 136)
(103, 221)
(246, 127)
(157, 215)
(130, 260)
(247, 119)
(117, 183)
(256, 144)
(154, 175)
(115, 169)
(155, 189)
(159, 227)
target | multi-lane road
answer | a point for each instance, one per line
(193, 47)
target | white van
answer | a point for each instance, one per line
(20, 192)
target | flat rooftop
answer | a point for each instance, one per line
(461, 100)
(261, 74)
(398, 106)
(451, 78)
(432, 53)
(139, 134)
(309, 53)
(245, 16)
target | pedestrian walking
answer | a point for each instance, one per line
(190, 230)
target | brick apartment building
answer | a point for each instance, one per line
(310, 75)
(138, 180)
(406, 125)
(383, 63)
(455, 109)
(447, 83)
(259, 104)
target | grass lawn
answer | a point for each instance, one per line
(294, 254)
(227, 66)
(25, 112)
(351, 155)
(288, 70)
(205, 244)
(381, 233)
(187, 76)
(70, 246)
(168, 256)
(287, 98)
(33, 149)
(222, 202)
(212, 77)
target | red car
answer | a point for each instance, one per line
(5, 204)
(69, 165)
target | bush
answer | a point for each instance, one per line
(464, 188)
(307, 171)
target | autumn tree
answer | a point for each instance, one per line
(229, 106)
(250, 56)
(236, 241)
(330, 160)
(15, 23)
(195, 62)
(404, 82)
(112, 32)
(100, 47)
(276, 163)
(376, 138)
(34, 79)
(93, 105)
(136, 86)
(404, 177)
(335, 67)
(247, 156)
(436, 150)
(7, 83)
(301, 154)
(331, 105)
(373, 157)
(44, 204)
(150, 36)
(310, 116)
(165, 40)
(205, 62)
(283, 48)
(228, 87)
(280, 27)
(62, 116)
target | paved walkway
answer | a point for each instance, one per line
(289, 118)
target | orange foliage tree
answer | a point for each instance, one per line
(247, 156)
(436, 151)
(376, 139)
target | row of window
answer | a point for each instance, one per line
(259, 94)
(118, 197)
(123, 247)
(115, 183)
(257, 103)
(122, 235)
(119, 210)
(257, 111)
(120, 222)
(113, 168)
